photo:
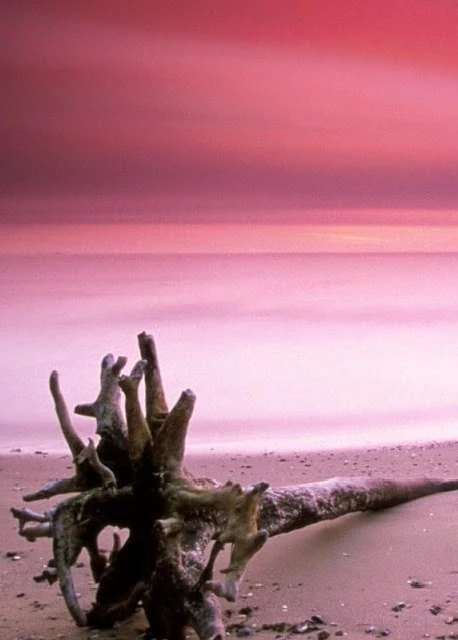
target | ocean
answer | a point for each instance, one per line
(284, 351)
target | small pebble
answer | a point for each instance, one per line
(417, 584)
(243, 632)
(435, 609)
(318, 619)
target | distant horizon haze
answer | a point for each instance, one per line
(135, 238)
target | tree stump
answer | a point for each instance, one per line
(135, 479)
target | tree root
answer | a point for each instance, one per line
(135, 479)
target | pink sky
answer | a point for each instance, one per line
(306, 112)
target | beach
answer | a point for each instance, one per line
(391, 573)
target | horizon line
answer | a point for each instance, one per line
(248, 254)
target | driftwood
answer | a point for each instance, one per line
(135, 479)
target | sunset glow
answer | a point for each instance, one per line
(154, 239)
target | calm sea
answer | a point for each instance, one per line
(282, 351)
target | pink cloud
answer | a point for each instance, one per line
(156, 107)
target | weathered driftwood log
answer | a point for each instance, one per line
(135, 479)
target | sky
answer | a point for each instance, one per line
(338, 116)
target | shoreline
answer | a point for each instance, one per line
(311, 443)
(352, 572)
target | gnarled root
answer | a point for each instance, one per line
(90, 470)
(139, 436)
(110, 422)
(242, 531)
(76, 524)
(155, 403)
(90, 454)
(173, 582)
(84, 478)
(135, 479)
(41, 529)
(169, 444)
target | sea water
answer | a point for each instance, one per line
(284, 351)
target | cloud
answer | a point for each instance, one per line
(94, 110)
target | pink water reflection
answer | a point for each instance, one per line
(279, 349)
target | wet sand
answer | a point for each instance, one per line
(391, 573)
